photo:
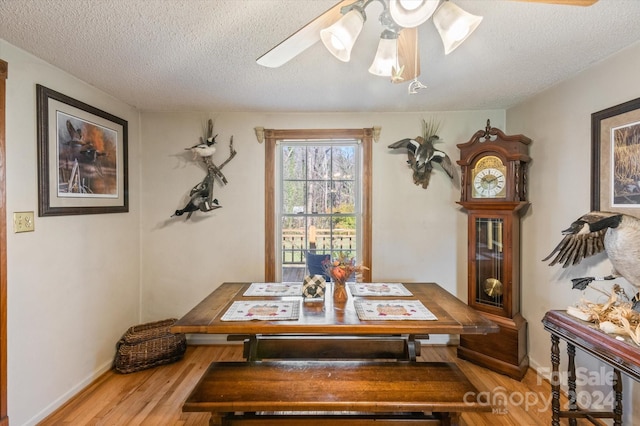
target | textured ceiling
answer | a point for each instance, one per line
(200, 54)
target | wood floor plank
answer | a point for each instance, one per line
(155, 396)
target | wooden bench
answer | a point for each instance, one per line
(334, 393)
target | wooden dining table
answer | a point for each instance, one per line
(328, 364)
(325, 319)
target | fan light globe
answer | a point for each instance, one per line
(386, 55)
(340, 37)
(454, 25)
(411, 13)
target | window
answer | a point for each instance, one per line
(318, 208)
(317, 197)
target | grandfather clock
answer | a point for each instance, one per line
(494, 180)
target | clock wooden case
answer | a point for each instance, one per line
(494, 185)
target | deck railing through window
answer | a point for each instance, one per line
(294, 246)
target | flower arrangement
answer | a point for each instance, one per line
(342, 267)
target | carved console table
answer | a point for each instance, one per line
(622, 355)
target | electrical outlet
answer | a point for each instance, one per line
(23, 222)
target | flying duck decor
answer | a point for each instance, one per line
(201, 195)
(617, 234)
(422, 154)
(397, 57)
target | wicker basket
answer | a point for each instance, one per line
(148, 345)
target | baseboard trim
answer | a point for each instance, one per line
(68, 396)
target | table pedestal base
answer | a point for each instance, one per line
(396, 347)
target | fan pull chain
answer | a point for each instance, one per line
(415, 85)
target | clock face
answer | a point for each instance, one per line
(488, 178)
(489, 183)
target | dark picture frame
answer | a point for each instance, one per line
(82, 157)
(615, 168)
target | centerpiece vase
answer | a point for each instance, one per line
(340, 294)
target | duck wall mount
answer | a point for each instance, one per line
(422, 154)
(201, 195)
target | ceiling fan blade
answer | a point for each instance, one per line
(567, 2)
(408, 55)
(302, 39)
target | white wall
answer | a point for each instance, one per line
(73, 284)
(418, 234)
(559, 122)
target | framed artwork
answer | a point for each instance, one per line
(615, 159)
(82, 157)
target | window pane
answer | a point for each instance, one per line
(293, 197)
(294, 240)
(322, 228)
(344, 162)
(343, 237)
(343, 197)
(319, 162)
(319, 197)
(293, 162)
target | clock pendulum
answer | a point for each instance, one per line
(494, 177)
(492, 286)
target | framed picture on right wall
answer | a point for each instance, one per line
(615, 158)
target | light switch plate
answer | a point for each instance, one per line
(23, 222)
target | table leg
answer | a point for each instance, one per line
(573, 403)
(555, 380)
(252, 348)
(411, 347)
(215, 419)
(449, 419)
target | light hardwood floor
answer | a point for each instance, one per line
(155, 396)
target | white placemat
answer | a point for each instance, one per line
(385, 310)
(274, 289)
(379, 289)
(271, 310)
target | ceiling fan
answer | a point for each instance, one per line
(397, 56)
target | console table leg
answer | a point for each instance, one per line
(573, 404)
(617, 387)
(555, 380)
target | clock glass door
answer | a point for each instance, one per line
(489, 274)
